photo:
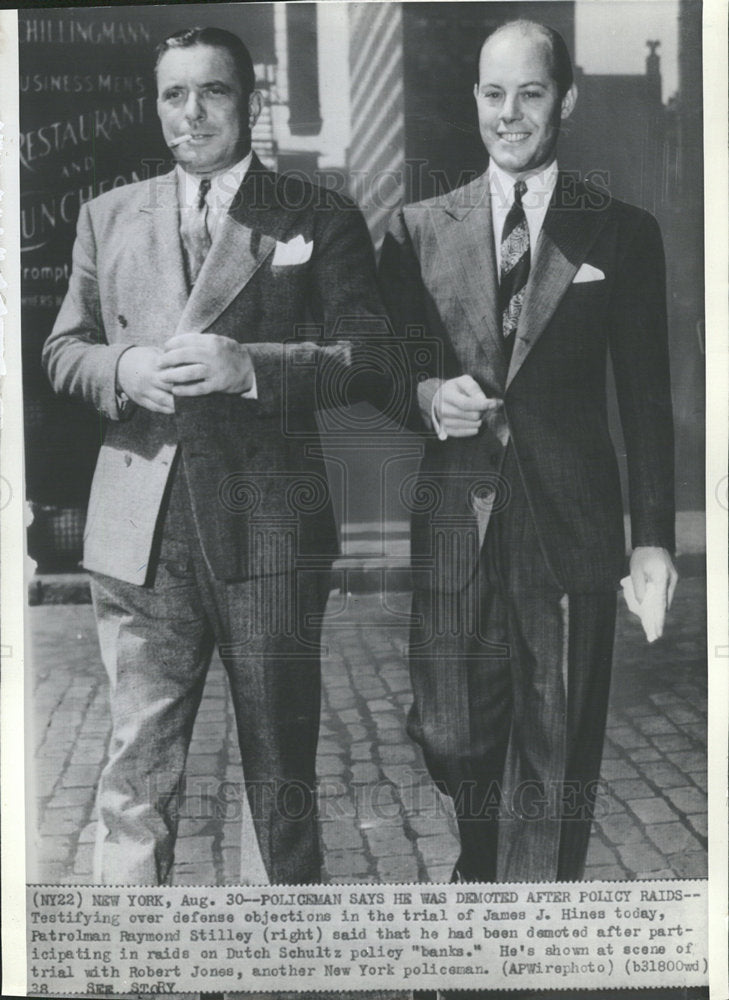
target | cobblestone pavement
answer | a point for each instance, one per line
(382, 820)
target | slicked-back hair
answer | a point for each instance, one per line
(560, 59)
(217, 38)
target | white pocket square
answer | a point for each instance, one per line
(588, 273)
(296, 251)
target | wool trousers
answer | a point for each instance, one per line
(511, 679)
(156, 644)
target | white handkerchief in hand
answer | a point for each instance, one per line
(651, 610)
(588, 273)
(296, 251)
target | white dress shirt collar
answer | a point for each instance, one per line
(535, 200)
(223, 187)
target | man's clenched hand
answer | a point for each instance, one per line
(196, 364)
(653, 565)
(140, 376)
(459, 406)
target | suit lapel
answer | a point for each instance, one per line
(247, 235)
(470, 245)
(162, 253)
(567, 235)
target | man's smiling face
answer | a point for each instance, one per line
(519, 108)
(200, 94)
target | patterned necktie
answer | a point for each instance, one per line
(514, 260)
(194, 232)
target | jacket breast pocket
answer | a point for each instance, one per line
(290, 272)
(594, 286)
(586, 296)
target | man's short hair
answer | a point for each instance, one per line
(560, 59)
(218, 38)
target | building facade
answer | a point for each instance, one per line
(372, 98)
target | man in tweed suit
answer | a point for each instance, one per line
(210, 312)
(527, 280)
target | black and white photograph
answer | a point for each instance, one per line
(364, 357)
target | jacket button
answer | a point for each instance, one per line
(127, 460)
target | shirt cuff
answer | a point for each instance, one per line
(427, 390)
(251, 393)
(123, 402)
(437, 426)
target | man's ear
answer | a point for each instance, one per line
(568, 102)
(255, 105)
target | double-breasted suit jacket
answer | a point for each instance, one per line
(215, 524)
(517, 532)
(245, 459)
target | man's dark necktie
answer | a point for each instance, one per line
(514, 267)
(194, 232)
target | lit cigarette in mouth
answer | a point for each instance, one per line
(180, 139)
